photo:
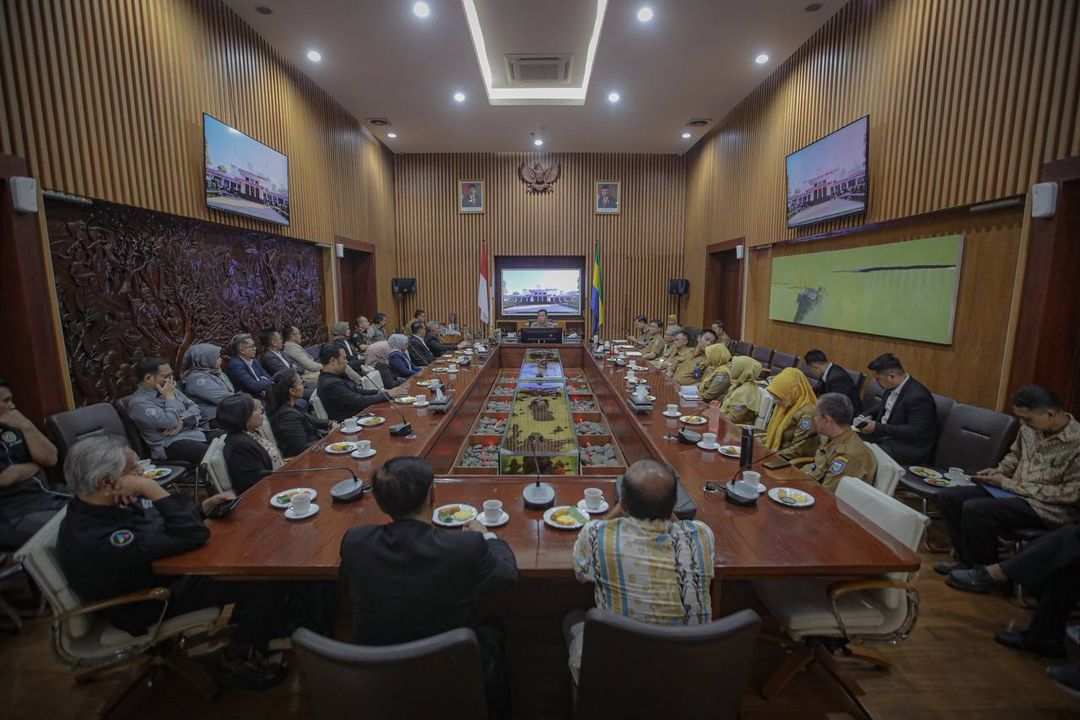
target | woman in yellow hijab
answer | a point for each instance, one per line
(743, 400)
(792, 423)
(716, 380)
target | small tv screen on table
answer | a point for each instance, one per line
(243, 176)
(828, 178)
(526, 291)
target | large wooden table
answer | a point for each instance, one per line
(828, 539)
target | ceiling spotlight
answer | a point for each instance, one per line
(538, 142)
(613, 97)
(761, 59)
(459, 97)
(314, 56)
(421, 9)
(687, 135)
(813, 7)
(263, 10)
(644, 14)
(391, 135)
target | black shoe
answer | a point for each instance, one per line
(1067, 677)
(944, 567)
(1030, 643)
(254, 671)
(976, 580)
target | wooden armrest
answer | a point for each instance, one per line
(157, 594)
(847, 586)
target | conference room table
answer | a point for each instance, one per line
(256, 541)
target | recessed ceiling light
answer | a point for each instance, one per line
(644, 14)
(613, 97)
(761, 59)
(687, 135)
(421, 9)
(391, 135)
(814, 7)
(263, 10)
(538, 142)
(314, 56)
(459, 97)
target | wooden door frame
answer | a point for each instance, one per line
(710, 281)
(371, 292)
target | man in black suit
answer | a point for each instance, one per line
(831, 378)
(410, 580)
(435, 345)
(905, 423)
(340, 395)
(419, 352)
(274, 360)
(339, 332)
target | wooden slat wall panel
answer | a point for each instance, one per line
(641, 248)
(967, 98)
(104, 98)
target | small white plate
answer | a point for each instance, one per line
(731, 451)
(363, 456)
(551, 511)
(282, 504)
(405, 400)
(421, 404)
(633, 353)
(293, 516)
(670, 414)
(925, 472)
(453, 523)
(340, 448)
(790, 497)
(701, 444)
(503, 519)
(693, 420)
(156, 473)
(372, 421)
(604, 507)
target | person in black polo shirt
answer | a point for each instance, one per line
(27, 501)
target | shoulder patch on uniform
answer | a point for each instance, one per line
(739, 407)
(805, 424)
(837, 466)
(120, 538)
(152, 411)
(9, 436)
(201, 381)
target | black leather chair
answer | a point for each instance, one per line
(943, 405)
(67, 428)
(742, 348)
(140, 447)
(676, 671)
(872, 393)
(856, 377)
(435, 677)
(814, 382)
(313, 351)
(763, 356)
(784, 360)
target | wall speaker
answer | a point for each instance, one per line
(678, 286)
(402, 286)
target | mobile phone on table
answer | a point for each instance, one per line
(222, 509)
(776, 464)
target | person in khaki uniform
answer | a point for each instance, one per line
(716, 380)
(842, 451)
(743, 400)
(542, 320)
(791, 426)
(638, 338)
(683, 351)
(669, 346)
(654, 344)
(690, 368)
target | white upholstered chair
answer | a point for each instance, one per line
(765, 410)
(320, 409)
(820, 617)
(216, 467)
(888, 470)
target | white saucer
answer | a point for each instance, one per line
(604, 507)
(505, 518)
(671, 415)
(423, 404)
(357, 454)
(701, 444)
(293, 516)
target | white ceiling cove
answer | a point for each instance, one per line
(695, 58)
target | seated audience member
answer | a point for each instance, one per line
(410, 580)
(339, 395)
(1040, 474)
(27, 501)
(716, 379)
(378, 359)
(244, 369)
(689, 370)
(542, 320)
(684, 352)
(1048, 568)
(843, 452)
(419, 353)
(294, 429)
(743, 399)
(831, 377)
(672, 319)
(654, 345)
(249, 456)
(167, 420)
(904, 425)
(419, 316)
(637, 336)
(338, 333)
(360, 334)
(791, 426)
(377, 330)
(435, 344)
(273, 358)
(670, 347)
(705, 338)
(299, 357)
(717, 328)
(642, 562)
(204, 381)
(109, 539)
(399, 356)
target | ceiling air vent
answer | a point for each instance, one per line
(698, 122)
(535, 69)
(379, 121)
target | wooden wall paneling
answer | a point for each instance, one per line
(641, 248)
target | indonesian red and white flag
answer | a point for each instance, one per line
(482, 286)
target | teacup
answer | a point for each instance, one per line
(363, 446)
(672, 408)
(350, 426)
(452, 367)
(594, 499)
(620, 361)
(709, 440)
(748, 483)
(421, 398)
(493, 510)
(630, 375)
(301, 503)
(144, 464)
(641, 392)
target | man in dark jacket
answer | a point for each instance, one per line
(904, 424)
(410, 580)
(831, 378)
(340, 395)
(435, 345)
(419, 352)
(245, 370)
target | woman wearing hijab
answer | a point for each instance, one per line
(743, 399)
(792, 423)
(378, 357)
(204, 381)
(249, 456)
(399, 356)
(717, 379)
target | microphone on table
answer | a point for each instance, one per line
(402, 428)
(730, 493)
(345, 491)
(541, 495)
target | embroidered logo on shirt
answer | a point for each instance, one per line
(837, 466)
(9, 437)
(153, 411)
(804, 424)
(120, 538)
(200, 381)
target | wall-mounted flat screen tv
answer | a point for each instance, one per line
(243, 176)
(525, 291)
(828, 179)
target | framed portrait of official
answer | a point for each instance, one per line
(607, 197)
(471, 197)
